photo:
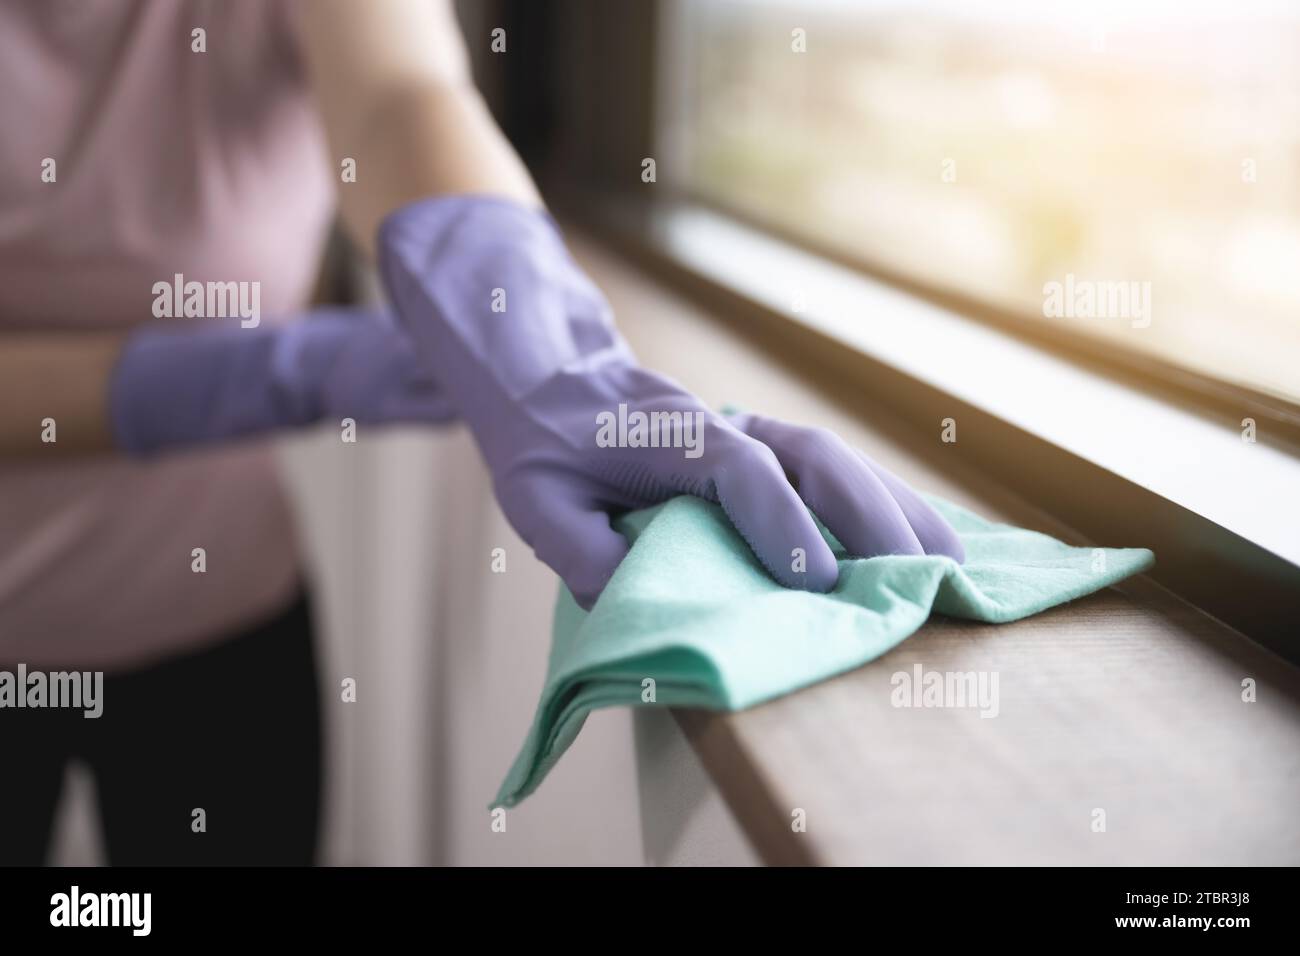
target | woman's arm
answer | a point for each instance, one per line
(459, 233)
(61, 377)
(161, 389)
(393, 83)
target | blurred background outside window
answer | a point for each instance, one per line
(991, 148)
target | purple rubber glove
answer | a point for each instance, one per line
(525, 346)
(175, 387)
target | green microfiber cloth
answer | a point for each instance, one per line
(691, 608)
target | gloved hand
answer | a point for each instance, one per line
(174, 387)
(525, 346)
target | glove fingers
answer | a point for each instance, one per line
(770, 516)
(852, 501)
(840, 488)
(934, 533)
(573, 537)
(590, 556)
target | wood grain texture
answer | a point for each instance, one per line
(1126, 702)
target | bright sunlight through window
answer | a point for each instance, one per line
(1066, 161)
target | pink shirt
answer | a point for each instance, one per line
(209, 164)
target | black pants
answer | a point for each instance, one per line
(233, 730)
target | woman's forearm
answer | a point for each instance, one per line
(394, 87)
(403, 153)
(395, 92)
(54, 392)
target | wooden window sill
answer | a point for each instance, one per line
(1128, 702)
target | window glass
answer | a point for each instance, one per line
(1129, 170)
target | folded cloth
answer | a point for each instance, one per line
(692, 610)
